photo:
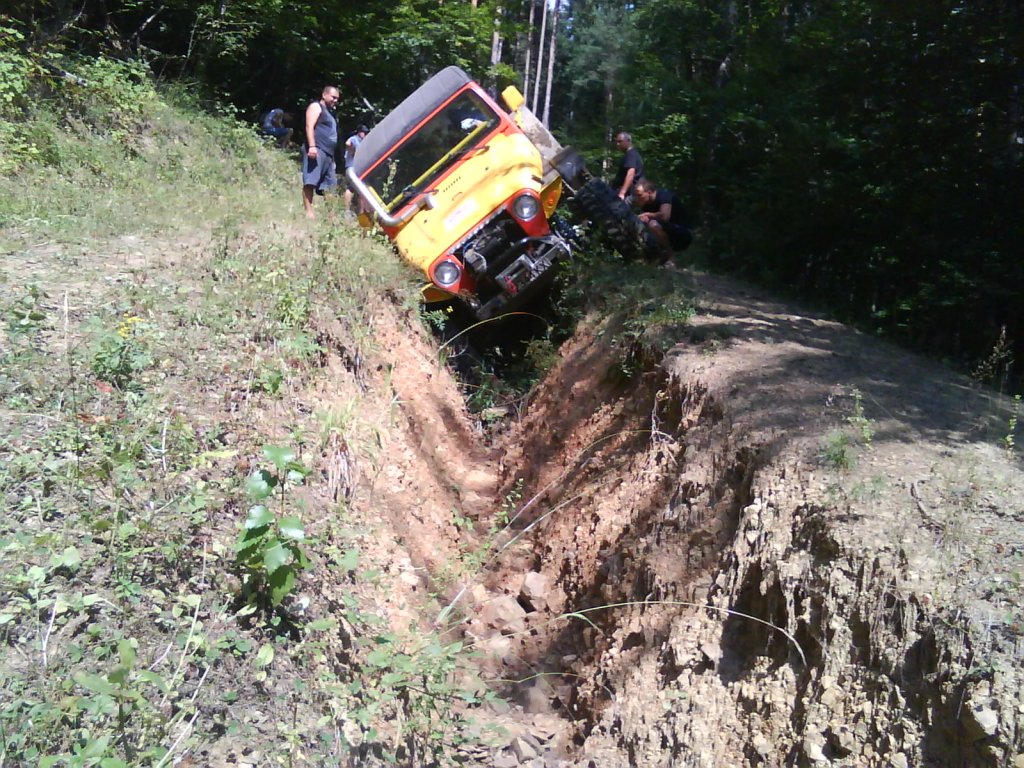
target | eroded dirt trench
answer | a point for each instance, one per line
(683, 582)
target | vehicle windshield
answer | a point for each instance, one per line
(427, 153)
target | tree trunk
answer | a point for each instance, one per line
(551, 63)
(540, 55)
(529, 47)
(496, 41)
(609, 103)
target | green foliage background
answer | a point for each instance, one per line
(865, 155)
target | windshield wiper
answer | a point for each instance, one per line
(470, 150)
(407, 194)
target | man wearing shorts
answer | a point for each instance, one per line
(664, 217)
(319, 172)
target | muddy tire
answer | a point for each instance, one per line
(619, 226)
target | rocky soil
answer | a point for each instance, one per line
(785, 543)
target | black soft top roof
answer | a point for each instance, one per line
(403, 118)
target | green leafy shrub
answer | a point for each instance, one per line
(109, 96)
(864, 426)
(542, 354)
(269, 551)
(840, 447)
(119, 356)
(420, 678)
(16, 71)
(26, 315)
(269, 379)
(837, 451)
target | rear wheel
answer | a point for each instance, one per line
(620, 227)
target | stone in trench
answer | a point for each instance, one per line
(711, 650)
(535, 590)
(537, 698)
(762, 745)
(980, 720)
(411, 578)
(842, 740)
(499, 706)
(505, 614)
(831, 698)
(479, 594)
(522, 749)
(813, 749)
(495, 647)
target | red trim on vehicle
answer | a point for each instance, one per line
(537, 226)
(464, 283)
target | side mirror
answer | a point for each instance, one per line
(513, 98)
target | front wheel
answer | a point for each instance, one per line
(456, 346)
(619, 225)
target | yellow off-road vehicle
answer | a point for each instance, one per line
(466, 189)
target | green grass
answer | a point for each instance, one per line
(86, 168)
(174, 575)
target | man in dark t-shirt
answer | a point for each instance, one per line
(665, 218)
(631, 169)
(277, 123)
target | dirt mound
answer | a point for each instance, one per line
(785, 544)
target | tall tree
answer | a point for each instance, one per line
(601, 49)
(529, 47)
(552, 49)
(540, 55)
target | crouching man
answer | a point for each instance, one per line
(665, 217)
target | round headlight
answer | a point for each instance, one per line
(447, 273)
(525, 207)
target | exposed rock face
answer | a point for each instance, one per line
(784, 544)
(747, 593)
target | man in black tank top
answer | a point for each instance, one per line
(319, 171)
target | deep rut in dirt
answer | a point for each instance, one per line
(636, 492)
(725, 606)
(682, 583)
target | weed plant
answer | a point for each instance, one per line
(840, 447)
(1010, 440)
(996, 372)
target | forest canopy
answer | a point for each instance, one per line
(863, 155)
